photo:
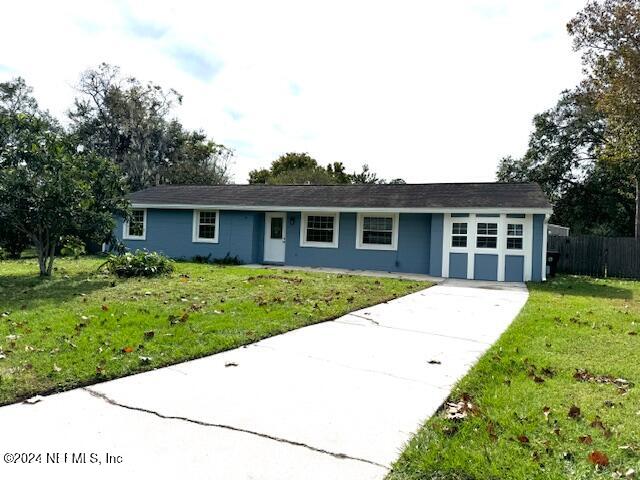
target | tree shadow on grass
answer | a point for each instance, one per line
(581, 286)
(21, 292)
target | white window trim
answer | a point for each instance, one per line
(501, 251)
(125, 228)
(487, 220)
(513, 221)
(395, 227)
(449, 233)
(196, 227)
(303, 230)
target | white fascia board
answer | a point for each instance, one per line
(280, 208)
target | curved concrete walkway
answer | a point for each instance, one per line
(334, 400)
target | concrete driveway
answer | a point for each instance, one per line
(335, 400)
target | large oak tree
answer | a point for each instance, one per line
(607, 33)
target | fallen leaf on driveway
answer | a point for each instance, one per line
(434, 362)
(231, 364)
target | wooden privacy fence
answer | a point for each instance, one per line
(597, 256)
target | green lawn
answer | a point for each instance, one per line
(568, 323)
(82, 327)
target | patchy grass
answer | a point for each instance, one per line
(569, 325)
(83, 327)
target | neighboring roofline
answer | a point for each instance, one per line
(280, 208)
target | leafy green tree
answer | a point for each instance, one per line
(397, 181)
(49, 187)
(589, 196)
(15, 97)
(128, 122)
(365, 176)
(294, 169)
(607, 34)
(300, 168)
(195, 159)
(261, 175)
(338, 171)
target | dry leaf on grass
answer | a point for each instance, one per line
(460, 409)
(586, 439)
(583, 375)
(598, 458)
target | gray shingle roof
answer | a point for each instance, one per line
(429, 195)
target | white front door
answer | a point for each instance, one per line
(274, 237)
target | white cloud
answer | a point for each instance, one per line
(421, 90)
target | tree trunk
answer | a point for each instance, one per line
(46, 249)
(52, 254)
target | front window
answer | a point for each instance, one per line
(459, 235)
(135, 227)
(319, 230)
(205, 226)
(377, 231)
(514, 236)
(487, 235)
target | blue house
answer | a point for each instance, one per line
(487, 231)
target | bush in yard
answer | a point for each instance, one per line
(72, 246)
(228, 260)
(201, 258)
(141, 263)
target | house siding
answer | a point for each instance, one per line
(171, 232)
(412, 255)
(435, 260)
(420, 246)
(536, 255)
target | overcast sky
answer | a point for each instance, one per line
(423, 90)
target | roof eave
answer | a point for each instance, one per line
(274, 208)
